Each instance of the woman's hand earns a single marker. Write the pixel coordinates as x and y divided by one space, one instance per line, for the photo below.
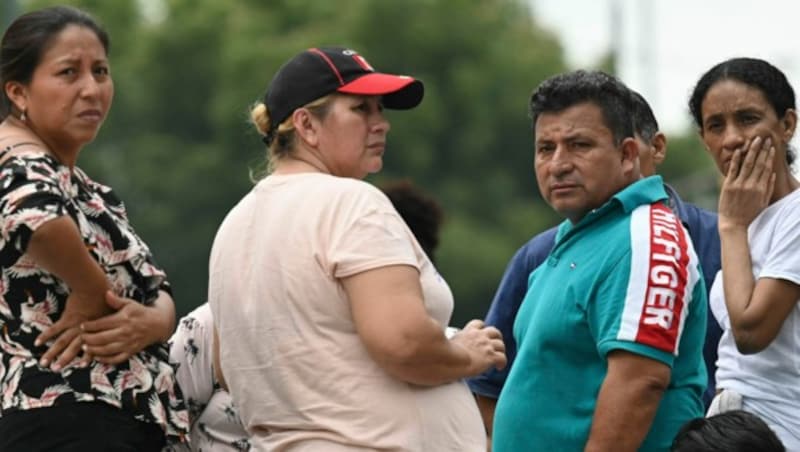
391 319
748 186
484 345
67 334
57 247
118 336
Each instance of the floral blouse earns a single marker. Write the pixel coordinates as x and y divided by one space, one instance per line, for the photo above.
215 423
36 188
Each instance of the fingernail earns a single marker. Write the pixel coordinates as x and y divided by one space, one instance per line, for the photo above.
43 362
84 347
37 343
56 367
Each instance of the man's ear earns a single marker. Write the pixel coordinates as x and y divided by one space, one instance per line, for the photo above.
630 156
306 126
659 145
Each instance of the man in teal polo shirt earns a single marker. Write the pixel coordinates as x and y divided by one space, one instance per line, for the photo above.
610 334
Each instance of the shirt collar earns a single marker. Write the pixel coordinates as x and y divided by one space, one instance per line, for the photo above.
644 191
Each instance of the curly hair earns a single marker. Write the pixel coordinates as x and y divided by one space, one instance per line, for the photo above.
421 212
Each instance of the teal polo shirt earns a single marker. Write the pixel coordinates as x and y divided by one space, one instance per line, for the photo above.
625 277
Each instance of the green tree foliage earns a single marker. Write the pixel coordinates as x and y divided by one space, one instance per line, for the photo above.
178 147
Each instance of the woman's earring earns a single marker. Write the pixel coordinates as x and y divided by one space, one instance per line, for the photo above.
22 116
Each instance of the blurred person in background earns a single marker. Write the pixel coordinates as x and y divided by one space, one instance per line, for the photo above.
76 277
331 316
422 213
214 423
746 114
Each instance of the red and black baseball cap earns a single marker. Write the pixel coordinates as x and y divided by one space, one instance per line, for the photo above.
318 72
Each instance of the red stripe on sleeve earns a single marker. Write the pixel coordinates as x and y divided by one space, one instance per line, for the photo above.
668 275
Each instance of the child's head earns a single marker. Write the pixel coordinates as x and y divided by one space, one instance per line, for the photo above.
731 431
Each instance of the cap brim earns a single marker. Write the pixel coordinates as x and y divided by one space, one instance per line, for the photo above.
399 92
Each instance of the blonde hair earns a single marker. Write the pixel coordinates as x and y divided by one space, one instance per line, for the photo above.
283 142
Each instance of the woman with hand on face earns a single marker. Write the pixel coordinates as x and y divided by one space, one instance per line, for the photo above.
745 109
331 318
75 276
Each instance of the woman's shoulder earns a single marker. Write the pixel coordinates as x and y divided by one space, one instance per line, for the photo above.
19 156
793 198
26 155
17 143
328 187
364 194
24 173
343 184
781 217
95 186
786 208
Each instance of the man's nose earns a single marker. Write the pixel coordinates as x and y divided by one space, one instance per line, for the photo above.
562 161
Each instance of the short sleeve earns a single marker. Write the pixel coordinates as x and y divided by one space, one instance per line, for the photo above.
606 317
643 302
110 232
783 259
30 196
377 236
191 350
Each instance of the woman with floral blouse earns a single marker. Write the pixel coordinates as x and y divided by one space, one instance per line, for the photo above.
84 310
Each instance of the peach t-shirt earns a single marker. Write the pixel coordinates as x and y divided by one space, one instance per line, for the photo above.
297 369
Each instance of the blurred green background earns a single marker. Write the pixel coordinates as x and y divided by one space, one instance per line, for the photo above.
177 146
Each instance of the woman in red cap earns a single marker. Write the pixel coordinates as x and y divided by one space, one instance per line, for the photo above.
330 316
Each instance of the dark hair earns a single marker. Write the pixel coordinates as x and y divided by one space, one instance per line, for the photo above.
422 213
644 121
29 36
562 91
752 72
731 431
